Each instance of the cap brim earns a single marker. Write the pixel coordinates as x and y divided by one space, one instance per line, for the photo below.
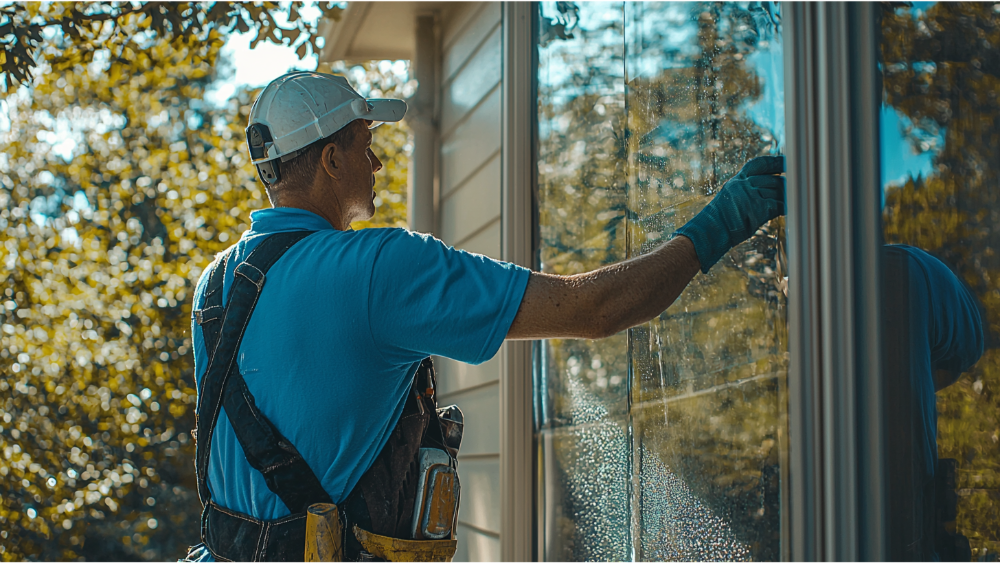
384 110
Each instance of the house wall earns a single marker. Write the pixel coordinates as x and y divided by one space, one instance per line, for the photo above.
469 212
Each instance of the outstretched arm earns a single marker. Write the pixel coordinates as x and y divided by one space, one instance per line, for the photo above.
605 301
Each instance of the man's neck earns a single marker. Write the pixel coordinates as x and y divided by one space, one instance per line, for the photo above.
332 216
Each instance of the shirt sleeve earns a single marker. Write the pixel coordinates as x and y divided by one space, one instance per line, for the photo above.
956 330
427 298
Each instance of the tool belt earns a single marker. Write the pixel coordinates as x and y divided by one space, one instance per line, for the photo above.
404 508
325 541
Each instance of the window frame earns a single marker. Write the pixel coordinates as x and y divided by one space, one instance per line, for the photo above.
836 471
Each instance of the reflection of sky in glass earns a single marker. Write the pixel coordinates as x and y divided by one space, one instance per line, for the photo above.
689 491
669 42
593 16
900 159
670 36
769 110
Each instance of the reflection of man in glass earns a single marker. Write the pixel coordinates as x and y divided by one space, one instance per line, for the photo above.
933 332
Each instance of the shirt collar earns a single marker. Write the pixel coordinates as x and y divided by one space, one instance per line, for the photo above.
279 219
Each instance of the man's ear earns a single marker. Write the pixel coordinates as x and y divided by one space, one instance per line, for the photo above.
330 160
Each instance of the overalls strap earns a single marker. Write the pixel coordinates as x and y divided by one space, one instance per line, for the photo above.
285 471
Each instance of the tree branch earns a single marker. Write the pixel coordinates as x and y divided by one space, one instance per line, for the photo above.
103 17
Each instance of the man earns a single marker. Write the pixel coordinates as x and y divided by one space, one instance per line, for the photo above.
329 354
933 332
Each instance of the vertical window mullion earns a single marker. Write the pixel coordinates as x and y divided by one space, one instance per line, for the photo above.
835 431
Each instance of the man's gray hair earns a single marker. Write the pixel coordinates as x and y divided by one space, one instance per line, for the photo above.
298 174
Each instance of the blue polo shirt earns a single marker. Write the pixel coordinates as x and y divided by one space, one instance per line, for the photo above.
341 326
945 333
932 324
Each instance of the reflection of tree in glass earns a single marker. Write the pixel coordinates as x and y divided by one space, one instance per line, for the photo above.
942 71
100 254
708 374
581 190
706 397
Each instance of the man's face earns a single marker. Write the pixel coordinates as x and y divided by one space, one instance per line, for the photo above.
360 164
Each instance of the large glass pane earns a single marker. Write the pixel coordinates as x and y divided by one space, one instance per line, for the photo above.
704 95
941 191
665 443
583 385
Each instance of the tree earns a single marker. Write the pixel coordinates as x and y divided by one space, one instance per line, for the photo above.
90 26
105 239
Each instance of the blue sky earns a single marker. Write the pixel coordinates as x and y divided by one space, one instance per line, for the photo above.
899 159
257 67
261 65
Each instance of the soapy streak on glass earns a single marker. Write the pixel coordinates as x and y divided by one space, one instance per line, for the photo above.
665 442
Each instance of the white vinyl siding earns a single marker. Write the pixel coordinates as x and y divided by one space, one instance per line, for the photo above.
477 77
464 31
482 418
470 144
469 218
454 377
467 210
485 241
475 544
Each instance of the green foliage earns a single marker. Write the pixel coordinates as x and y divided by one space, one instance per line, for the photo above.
89 28
941 71
100 254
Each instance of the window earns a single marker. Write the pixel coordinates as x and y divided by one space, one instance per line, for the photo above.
665 442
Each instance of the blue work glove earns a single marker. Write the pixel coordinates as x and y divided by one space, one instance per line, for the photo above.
747 201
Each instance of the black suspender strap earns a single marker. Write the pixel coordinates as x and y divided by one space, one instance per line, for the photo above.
210 315
285 471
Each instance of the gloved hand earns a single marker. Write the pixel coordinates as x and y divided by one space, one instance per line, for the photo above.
747 201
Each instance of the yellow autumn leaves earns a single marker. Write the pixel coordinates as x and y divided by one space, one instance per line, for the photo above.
118 184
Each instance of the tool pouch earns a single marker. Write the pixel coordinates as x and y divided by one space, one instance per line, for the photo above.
411 492
438 490
949 545
452 425
384 548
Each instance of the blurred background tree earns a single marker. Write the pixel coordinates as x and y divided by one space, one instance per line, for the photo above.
92 27
118 184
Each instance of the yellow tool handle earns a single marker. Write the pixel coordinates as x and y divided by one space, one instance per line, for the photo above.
324 533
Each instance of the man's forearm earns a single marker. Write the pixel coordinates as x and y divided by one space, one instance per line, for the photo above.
605 301
639 289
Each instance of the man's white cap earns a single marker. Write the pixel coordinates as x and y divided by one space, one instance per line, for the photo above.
300 108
